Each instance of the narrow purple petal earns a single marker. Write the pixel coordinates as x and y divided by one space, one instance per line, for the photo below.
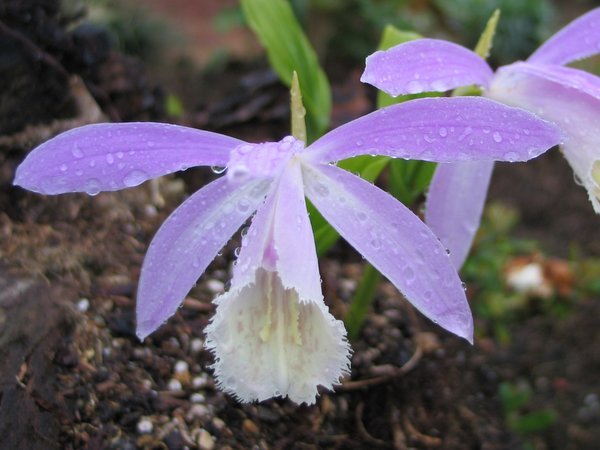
280 239
112 156
395 241
579 39
293 238
187 242
425 65
574 105
455 203
441 130
566 77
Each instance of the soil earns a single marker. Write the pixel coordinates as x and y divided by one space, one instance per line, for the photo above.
74 376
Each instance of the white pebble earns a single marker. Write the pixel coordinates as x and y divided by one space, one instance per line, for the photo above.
200 382
83 305
196 345
215 286
198 411
174 385
205 440
181 367
144 426
197 398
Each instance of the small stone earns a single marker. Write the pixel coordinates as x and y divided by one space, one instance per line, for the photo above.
218 423
181 367
250 427
145 426
200 381
205 440
215 286
198 411
83 305
197 398
196 345
174 385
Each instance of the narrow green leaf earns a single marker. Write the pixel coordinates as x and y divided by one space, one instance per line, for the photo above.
288 49
484 45
297 111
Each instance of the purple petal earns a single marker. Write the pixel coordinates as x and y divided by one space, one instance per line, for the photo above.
566 77
580 39
293 238
287 246
187 242
425 65
574 105
108 157
455 203
441 130
395 241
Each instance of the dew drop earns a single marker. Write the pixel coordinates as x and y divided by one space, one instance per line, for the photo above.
120 155
243 205
92 186
414 87
76 151
497 137
443 132
134 178
321 190
359 143
218 169
409 274
511 156
110 158
63 167
361 216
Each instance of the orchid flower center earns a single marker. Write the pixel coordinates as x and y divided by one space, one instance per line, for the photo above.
261 160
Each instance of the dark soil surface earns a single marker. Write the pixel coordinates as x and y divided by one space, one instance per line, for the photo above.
74 376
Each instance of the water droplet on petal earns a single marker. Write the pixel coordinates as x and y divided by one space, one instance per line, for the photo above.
218 169
63 167
110 158
243 205
443 132
409 274
76 151
92 186
511 156
134 178
321 190
497 137
361 216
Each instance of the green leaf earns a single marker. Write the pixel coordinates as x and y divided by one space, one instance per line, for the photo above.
297 110
288 49
484 45
533 422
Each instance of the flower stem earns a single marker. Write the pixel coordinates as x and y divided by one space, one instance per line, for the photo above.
361 302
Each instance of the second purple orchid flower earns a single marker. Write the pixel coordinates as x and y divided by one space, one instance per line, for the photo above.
568 97
272 334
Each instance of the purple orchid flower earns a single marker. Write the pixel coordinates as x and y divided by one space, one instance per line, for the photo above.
568 97
272 334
